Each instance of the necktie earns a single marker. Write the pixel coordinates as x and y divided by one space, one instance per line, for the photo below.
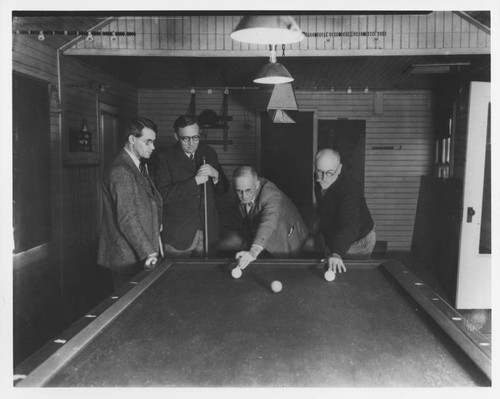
143 169
248 208
191 157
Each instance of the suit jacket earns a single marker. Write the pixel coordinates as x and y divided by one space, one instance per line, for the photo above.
344 217
183 206
131 220
274 222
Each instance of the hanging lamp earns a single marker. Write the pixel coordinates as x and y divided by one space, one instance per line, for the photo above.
273 72
267 29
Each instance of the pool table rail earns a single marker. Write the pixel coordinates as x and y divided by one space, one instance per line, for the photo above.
475 344
46 362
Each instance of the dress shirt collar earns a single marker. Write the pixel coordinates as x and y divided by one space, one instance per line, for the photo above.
247 206
136 160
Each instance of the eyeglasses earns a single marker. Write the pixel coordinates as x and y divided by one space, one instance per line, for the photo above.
187 139
148 142
329 173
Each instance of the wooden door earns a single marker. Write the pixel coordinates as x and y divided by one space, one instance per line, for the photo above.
109 140
287 156
474 265
109 132
31 163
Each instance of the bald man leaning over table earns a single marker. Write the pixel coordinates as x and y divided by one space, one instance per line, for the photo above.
345 222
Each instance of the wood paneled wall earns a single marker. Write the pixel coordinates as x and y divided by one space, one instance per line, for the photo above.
81 93
57 273
325 35
399 142
32 58
79 98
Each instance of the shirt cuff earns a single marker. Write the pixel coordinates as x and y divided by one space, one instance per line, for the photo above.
256 249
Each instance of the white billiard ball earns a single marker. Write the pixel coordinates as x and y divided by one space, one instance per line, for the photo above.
276 286
236 272
330 275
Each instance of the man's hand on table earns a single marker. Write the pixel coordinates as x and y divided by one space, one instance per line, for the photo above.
247 257
336 264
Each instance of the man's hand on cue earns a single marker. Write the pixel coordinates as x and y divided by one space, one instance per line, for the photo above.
336 264
209 170
201 176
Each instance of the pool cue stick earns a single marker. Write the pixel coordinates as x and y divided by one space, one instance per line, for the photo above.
325 252
161 247
205 235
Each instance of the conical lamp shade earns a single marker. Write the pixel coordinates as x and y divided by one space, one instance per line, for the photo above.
267 29
273 73
282 98
280 116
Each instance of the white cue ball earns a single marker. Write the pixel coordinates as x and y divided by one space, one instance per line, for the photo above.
236 272
276 286
329 275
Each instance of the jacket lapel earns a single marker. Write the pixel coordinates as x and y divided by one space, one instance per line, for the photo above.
183 161
257 201
143 181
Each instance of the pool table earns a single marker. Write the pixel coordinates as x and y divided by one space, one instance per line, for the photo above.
189 323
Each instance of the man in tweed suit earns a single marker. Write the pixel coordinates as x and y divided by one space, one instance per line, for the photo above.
129 238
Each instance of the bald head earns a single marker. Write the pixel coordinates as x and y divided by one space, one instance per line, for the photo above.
328 155
328 167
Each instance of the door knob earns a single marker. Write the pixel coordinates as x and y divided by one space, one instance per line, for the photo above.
470 212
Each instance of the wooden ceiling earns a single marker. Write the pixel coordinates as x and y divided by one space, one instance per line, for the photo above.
322 73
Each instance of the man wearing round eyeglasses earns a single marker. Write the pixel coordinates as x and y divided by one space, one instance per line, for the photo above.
271 221
345 222
183 170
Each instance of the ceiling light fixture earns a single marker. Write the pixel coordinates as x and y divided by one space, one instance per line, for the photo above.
283 98
273 72
267 29
280 116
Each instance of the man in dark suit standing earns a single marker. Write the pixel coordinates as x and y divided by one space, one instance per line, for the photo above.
129 237
183 171
272 222
345 221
